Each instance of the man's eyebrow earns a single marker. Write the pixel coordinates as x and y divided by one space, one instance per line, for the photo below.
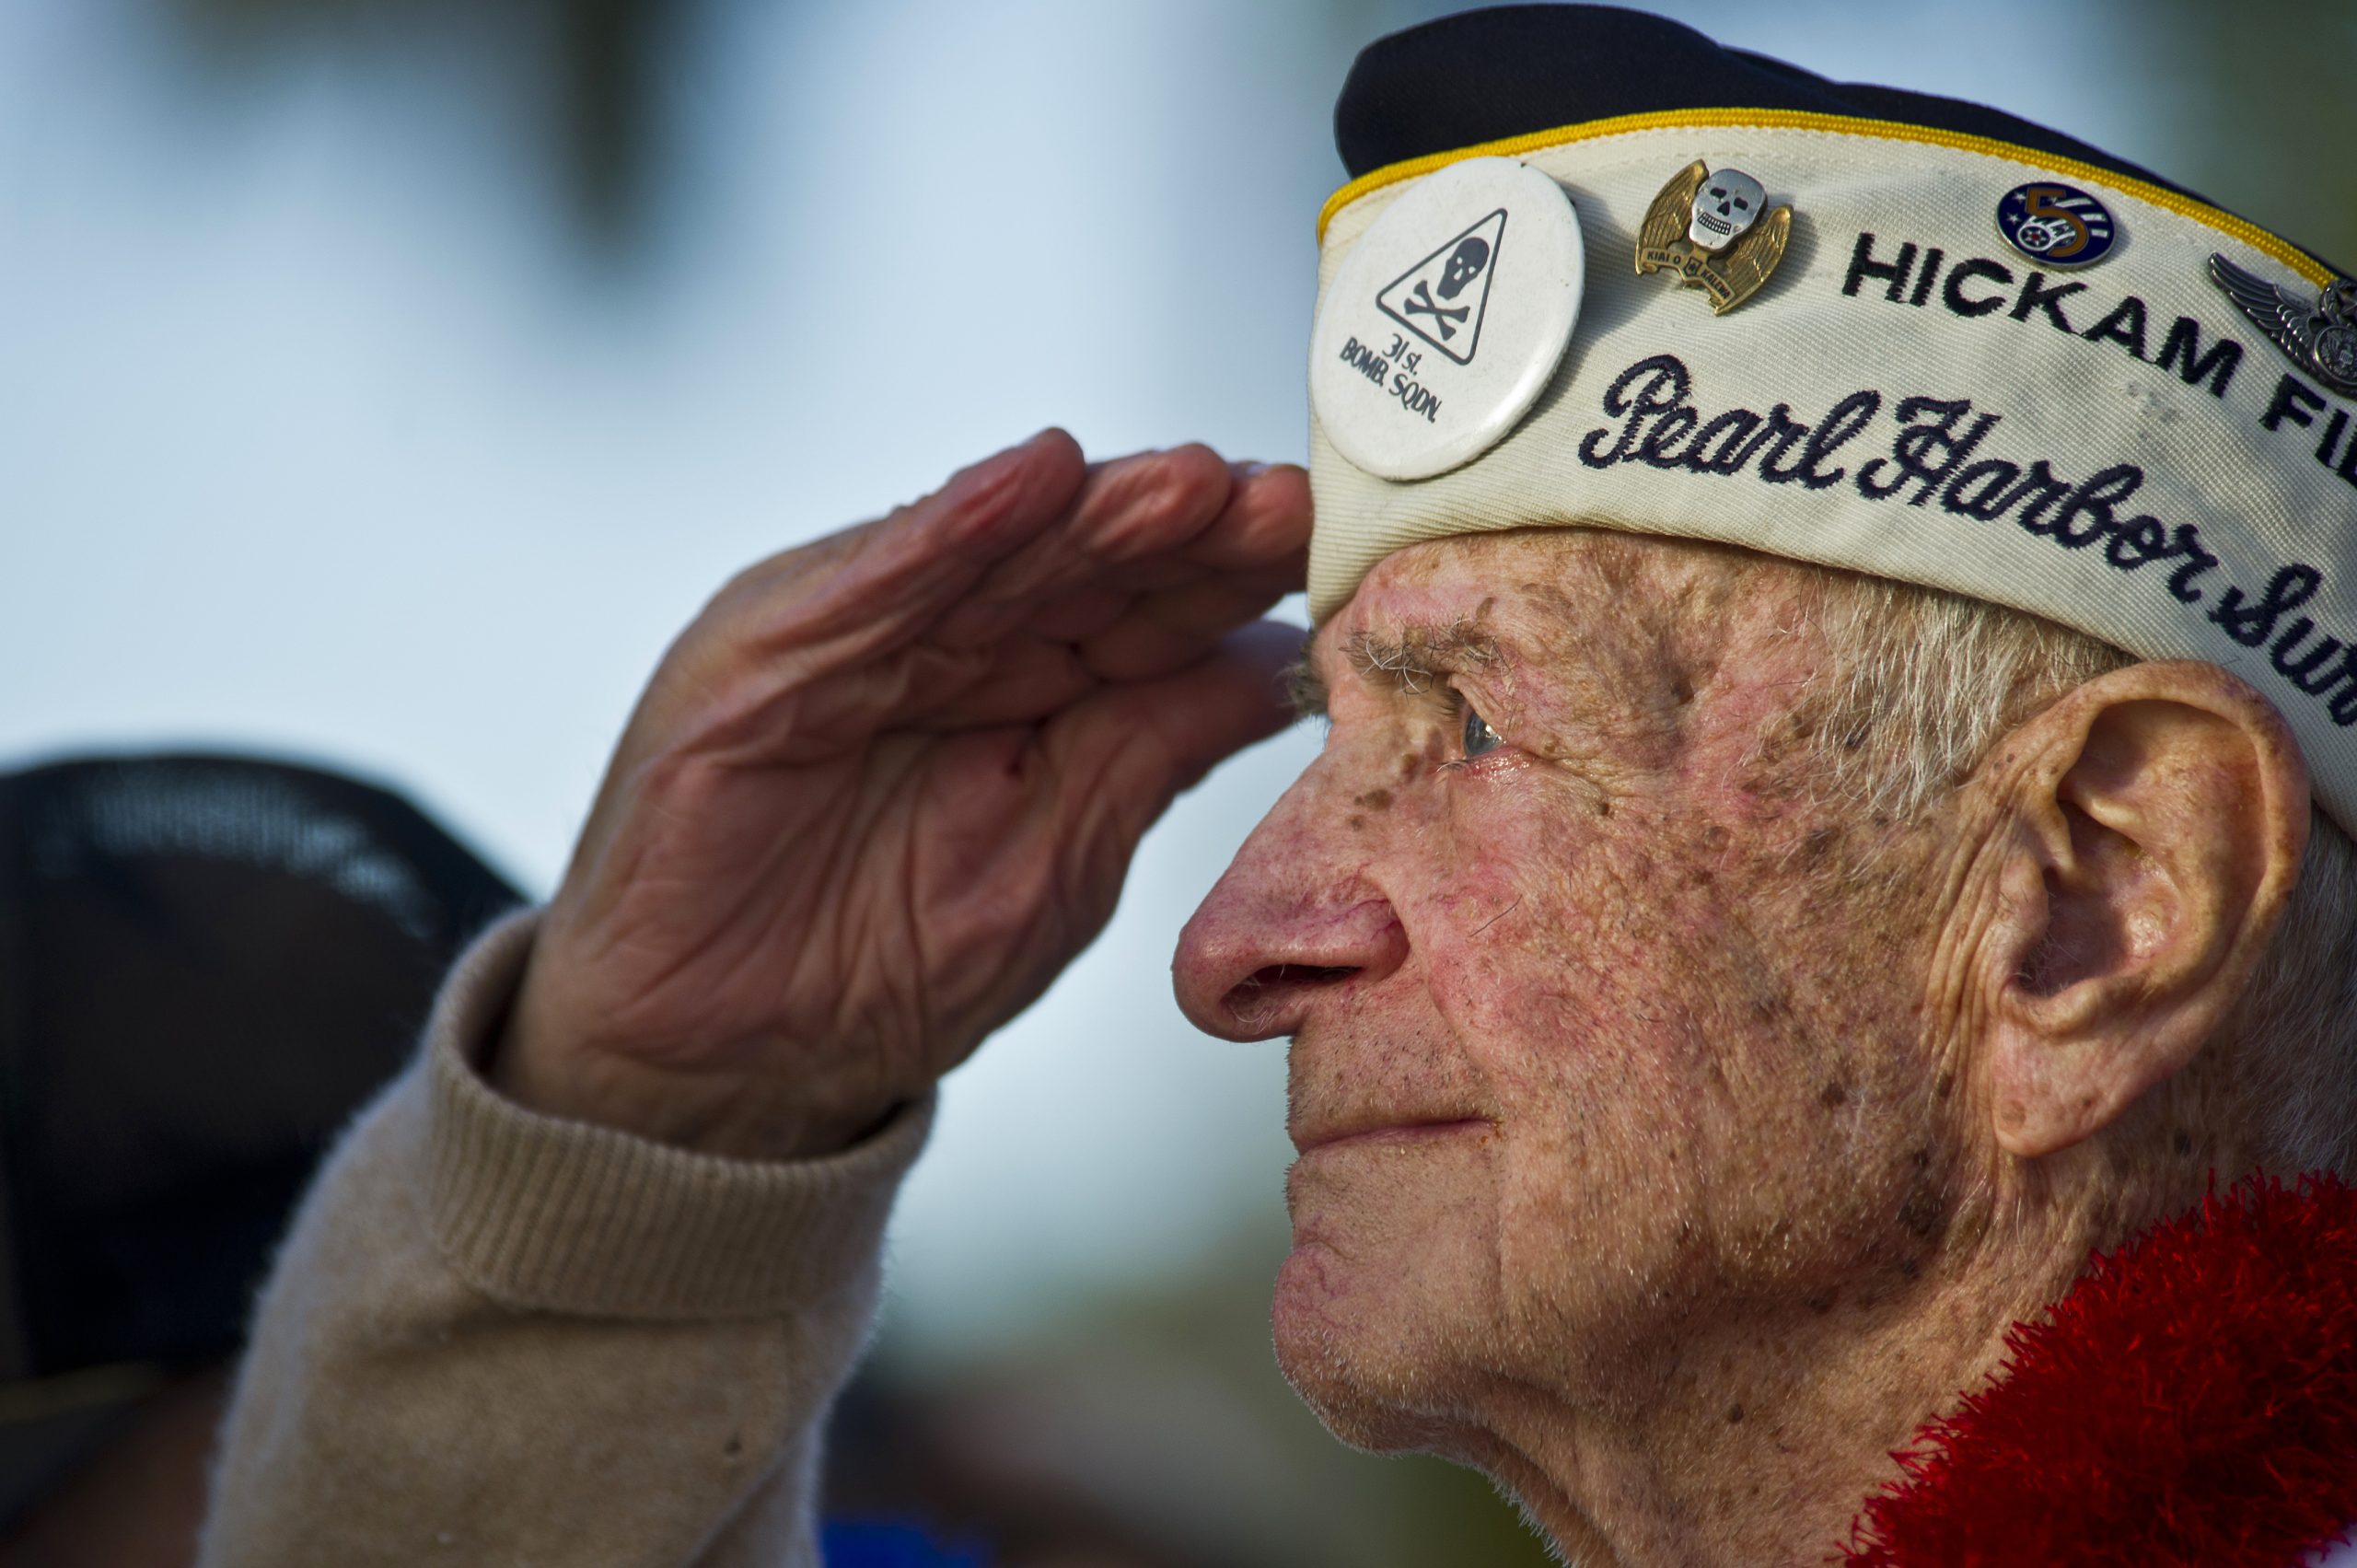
1304 688
1410 661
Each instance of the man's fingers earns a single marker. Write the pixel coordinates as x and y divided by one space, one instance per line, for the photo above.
1029 541
1165 630
1026 582
1133 517
1024 682
1121 755
1023 679
1265 523
1146 616
1079 615
1134 508
1267 520
1029 677
876 586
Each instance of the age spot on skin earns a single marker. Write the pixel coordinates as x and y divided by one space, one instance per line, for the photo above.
1374 800
1923 1216
1833 1096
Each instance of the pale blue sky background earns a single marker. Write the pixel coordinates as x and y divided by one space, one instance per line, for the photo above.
320 433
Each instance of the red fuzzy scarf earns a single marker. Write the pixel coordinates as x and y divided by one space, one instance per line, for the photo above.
2193 1400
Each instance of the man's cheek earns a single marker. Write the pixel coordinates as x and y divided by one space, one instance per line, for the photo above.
1506 860
1563 937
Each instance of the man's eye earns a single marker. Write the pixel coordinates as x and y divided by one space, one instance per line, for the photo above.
1479 736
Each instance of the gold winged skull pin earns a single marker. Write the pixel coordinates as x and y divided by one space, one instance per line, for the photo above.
1717 232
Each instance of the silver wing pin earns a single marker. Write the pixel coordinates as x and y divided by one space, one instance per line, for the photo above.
2319 336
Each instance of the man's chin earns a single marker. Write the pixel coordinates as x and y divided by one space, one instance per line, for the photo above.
1382 1309
1353 1360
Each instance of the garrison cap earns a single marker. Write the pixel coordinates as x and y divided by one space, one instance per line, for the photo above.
1593 268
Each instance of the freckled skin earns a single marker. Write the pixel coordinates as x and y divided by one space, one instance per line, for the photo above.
1697 1229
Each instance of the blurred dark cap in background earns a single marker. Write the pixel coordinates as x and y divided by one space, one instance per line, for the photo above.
206 964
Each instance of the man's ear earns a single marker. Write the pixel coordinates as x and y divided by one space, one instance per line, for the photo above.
2149 829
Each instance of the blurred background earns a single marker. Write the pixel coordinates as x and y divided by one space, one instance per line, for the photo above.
384 382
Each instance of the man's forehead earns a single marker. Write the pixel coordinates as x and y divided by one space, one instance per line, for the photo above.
1519 584
1432 600
1609 614
1449 605
1441 582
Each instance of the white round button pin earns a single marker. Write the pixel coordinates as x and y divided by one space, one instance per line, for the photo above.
1447 318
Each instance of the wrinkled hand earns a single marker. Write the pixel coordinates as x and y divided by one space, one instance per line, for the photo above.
886 785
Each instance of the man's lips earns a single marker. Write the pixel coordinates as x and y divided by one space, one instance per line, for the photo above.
1388 1129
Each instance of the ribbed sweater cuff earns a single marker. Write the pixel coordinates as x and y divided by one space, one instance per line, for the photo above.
569 1218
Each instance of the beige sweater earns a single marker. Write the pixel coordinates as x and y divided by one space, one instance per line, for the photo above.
498 1337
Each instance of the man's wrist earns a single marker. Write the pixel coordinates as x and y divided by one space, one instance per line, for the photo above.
724 1115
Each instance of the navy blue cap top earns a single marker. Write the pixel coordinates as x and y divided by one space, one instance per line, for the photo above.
1483 76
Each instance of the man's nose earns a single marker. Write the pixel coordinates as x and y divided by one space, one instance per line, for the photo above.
1290 922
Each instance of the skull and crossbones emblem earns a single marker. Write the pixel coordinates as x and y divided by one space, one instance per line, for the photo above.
1725 207
1464 264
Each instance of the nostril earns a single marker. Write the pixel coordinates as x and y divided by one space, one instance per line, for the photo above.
1298 974
1275 988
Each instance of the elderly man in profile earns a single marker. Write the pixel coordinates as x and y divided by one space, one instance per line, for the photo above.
1834 619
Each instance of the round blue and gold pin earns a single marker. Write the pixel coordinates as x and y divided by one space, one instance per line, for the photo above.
2057 224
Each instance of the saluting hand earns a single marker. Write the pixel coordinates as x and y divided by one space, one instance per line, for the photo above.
886 785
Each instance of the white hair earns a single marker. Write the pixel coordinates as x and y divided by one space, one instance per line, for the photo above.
1927 682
